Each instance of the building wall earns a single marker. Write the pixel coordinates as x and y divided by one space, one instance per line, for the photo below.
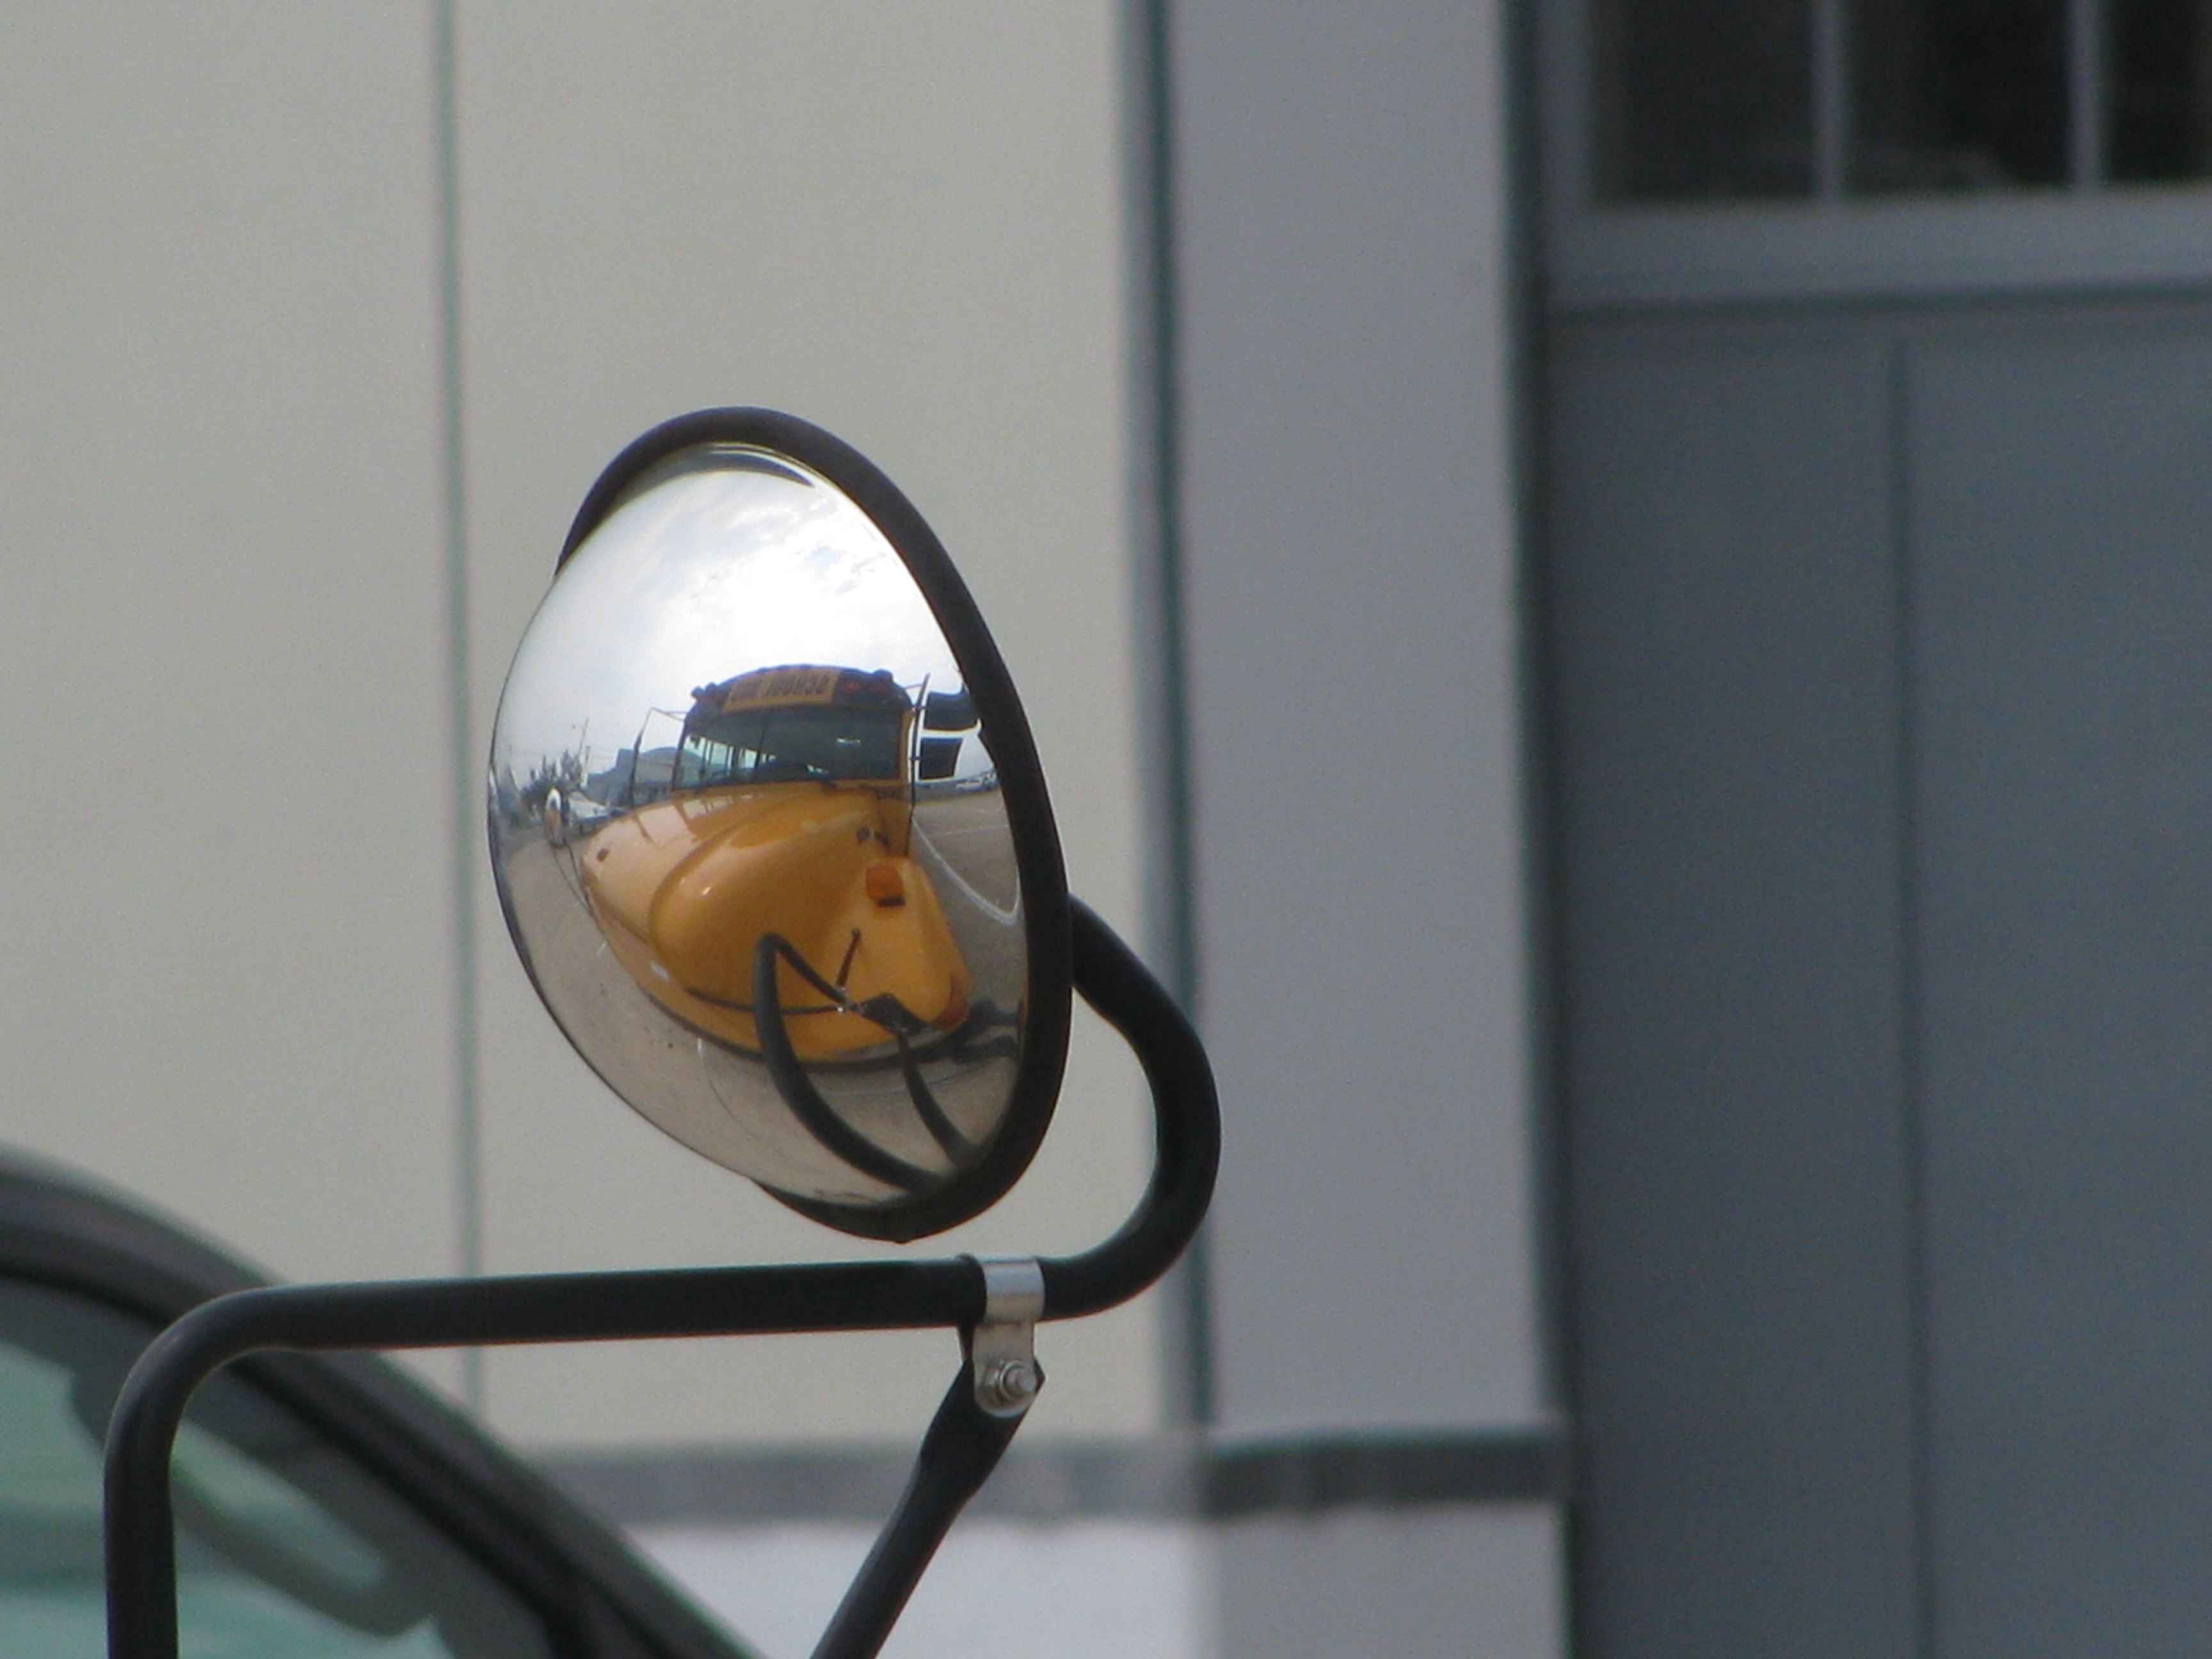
318 321
228 623
230 984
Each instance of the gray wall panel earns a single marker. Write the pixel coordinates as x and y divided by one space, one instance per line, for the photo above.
1348 543
1725 694
2062 480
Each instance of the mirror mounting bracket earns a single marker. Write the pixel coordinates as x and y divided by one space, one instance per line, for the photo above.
978 1298
1002 1348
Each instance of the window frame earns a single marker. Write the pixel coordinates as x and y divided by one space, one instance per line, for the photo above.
1602 255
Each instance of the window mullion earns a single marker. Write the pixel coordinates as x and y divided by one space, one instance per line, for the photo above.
1831 98
2085 92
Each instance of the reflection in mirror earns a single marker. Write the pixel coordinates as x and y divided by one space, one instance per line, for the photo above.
750 837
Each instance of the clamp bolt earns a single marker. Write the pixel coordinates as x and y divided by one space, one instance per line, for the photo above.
1011 1383
1002 1347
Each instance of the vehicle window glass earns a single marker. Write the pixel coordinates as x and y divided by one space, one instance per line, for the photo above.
824 743
286 1548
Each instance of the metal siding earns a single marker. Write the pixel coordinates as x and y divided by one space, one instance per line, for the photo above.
1887 1179
1725 699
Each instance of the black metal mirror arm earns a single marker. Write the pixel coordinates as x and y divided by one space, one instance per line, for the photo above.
963 1442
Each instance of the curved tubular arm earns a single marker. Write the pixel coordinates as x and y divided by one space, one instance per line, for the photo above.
1187 1128
141 1553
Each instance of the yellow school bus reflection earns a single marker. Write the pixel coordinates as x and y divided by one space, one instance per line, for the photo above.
788 814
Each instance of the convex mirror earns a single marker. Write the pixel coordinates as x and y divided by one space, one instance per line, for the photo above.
770 833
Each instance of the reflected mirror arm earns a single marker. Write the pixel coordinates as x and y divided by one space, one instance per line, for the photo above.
798 1090
942 1129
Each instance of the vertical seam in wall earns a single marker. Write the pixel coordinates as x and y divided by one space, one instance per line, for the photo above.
1171 883
1530 339
468 1141
2085 102
1911 1035
1528 429
1176 923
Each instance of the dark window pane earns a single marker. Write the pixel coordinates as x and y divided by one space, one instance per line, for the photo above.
1703 100
286 1548
1959 95
2158 88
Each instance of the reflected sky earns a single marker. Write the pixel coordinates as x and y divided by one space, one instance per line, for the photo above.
709 574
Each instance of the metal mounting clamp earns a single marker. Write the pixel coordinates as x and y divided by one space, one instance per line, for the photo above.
1003 1349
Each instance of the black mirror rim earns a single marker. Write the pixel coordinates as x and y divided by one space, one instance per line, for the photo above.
1037 859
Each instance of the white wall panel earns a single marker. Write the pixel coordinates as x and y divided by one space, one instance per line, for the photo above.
228 981
1430 1583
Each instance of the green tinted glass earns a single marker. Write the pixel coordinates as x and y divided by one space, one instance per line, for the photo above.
285 1547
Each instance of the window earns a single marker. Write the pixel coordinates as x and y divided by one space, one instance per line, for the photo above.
1713 100
795 743
285 1547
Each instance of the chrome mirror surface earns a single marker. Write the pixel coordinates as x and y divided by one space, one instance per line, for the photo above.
752 837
